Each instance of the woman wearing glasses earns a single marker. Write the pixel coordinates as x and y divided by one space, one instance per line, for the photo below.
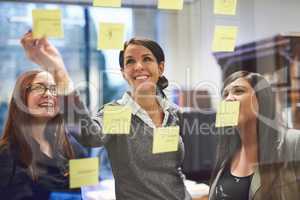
35 147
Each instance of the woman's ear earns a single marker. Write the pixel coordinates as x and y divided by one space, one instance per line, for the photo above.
161 67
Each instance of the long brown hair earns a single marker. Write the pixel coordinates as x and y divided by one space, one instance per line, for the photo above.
267 132
18 126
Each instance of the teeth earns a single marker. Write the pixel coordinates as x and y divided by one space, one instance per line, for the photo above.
46 104
141 77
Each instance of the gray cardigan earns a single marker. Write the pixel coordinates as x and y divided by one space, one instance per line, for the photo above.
287 183
138 173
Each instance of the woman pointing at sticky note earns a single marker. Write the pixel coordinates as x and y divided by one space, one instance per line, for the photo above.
139 130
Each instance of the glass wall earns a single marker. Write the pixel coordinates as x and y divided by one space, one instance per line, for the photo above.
96 73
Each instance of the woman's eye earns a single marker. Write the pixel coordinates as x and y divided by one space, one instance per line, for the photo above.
238 91
129 61
38 88
147 59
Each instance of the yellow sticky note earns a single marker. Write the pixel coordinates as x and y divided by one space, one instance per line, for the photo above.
84 172
228 113
165 139
170 4
47 23
111 36
107 3
116 120
224 38
225 7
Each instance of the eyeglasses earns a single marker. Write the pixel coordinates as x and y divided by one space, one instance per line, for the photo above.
41 89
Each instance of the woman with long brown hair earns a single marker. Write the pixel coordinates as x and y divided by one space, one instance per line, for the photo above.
35 146
261 160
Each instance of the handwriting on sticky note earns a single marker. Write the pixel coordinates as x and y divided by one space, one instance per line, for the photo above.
111 36
224 38
225 7
228 113
116 120
107 3
84 172
170 4
165 139
47 23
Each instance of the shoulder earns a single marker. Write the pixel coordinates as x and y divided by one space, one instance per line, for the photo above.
292 143
100 110
292 137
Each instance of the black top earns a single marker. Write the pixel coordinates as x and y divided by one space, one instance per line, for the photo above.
17 184
231 187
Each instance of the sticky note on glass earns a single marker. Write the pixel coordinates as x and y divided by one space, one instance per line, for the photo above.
47 23
107 3
111 36
224 38
116 119
170 4
228 113
225 7
165 139
84 172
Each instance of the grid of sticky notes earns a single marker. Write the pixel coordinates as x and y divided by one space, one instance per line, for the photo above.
111 36
84 172
107 3
228 113
116 119
170 4
225 7
224 38
47 23
165 139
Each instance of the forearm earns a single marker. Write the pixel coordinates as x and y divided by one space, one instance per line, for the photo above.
86 130
64 82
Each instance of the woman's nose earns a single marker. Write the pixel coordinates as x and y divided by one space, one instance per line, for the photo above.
47 93
138 66
230 97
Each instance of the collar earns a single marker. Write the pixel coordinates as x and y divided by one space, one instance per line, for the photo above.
127 100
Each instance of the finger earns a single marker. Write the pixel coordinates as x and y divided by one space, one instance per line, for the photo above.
26 38
28 42
43 42
29 32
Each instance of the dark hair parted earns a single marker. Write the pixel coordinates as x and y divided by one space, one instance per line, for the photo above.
155 49
267 130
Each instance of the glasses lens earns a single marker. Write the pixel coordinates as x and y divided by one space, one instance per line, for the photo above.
41 89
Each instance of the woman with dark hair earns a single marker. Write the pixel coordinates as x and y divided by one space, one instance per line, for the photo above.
35 148
261 160
138 173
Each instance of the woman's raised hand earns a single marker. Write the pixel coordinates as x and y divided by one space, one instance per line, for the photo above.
43 53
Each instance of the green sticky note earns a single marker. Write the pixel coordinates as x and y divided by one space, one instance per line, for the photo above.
224 38
47 23
165 139
84 172
111 36
225 7
107 3
170 4
116 120
228 113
